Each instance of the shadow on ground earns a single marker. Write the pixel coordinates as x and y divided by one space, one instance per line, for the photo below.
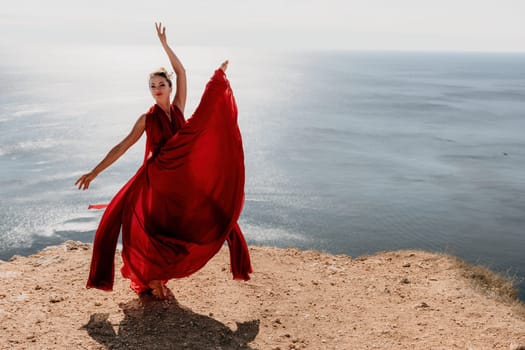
152 324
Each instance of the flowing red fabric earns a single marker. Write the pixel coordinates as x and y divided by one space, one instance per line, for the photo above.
183 203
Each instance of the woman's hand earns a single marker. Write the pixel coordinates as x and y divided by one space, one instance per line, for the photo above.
84 181
161 33
224 66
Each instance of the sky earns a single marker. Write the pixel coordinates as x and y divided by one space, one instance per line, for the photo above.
415 25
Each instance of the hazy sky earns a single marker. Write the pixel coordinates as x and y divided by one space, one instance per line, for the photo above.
465 25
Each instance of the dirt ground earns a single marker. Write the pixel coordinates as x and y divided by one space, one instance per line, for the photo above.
295 300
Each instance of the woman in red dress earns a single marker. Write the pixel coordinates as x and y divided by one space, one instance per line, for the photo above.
183 203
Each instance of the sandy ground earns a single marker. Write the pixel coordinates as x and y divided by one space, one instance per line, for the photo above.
295 300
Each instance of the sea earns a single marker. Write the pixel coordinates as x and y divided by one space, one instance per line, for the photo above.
347 152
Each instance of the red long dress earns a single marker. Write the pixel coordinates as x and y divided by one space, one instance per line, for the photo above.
183 203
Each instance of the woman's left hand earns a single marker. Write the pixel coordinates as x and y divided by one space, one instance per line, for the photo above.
161 33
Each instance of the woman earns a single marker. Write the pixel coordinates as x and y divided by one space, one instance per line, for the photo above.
184 201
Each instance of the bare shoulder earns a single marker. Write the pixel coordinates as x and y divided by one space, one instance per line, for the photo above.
142 119
140 124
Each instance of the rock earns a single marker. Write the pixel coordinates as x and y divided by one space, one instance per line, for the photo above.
55 299
423 305
334 269
293 312
74 245
19 297
9 274
406 265
44 261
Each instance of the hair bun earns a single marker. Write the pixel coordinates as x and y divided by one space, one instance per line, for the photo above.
162 72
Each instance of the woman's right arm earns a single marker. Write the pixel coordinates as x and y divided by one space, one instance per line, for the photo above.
114 154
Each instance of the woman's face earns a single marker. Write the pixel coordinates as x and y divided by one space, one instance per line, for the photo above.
159 88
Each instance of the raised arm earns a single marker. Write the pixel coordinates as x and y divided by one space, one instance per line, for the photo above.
114 154
180 93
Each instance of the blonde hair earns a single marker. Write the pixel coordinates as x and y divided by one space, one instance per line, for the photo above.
161 72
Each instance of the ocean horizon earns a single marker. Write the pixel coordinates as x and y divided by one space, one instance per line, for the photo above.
347 152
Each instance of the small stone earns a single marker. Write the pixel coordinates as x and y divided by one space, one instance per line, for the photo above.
98 303
9 274
423 305
405 281
55 299
74 245
406 265
37 287
44 261
20 297
70 245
